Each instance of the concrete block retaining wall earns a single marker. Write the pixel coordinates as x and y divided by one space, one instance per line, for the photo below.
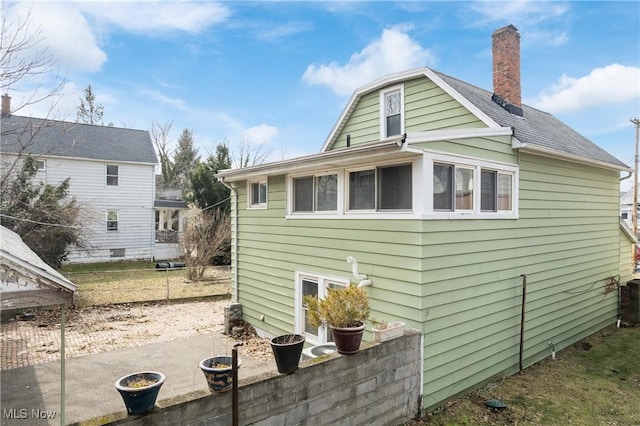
380 385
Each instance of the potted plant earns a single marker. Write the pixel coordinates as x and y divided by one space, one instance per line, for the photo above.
218 372
139 391
344 311
383 331
287 350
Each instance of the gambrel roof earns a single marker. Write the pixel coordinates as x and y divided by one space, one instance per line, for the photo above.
536 131
75 140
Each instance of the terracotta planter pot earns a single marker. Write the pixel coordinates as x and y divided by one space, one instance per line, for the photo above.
218 372
140 399
348 339
287 350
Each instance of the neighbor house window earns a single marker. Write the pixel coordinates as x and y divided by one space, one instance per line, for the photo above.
313 285
381 188
41 165
112 220
112 175
119 252
258 194
315 193
456 188
392 112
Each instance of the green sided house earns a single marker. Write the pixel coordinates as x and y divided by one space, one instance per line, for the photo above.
450 198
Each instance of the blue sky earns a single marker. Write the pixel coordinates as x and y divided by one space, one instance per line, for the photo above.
278 74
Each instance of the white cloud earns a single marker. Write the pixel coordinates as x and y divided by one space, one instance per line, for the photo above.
260 135
394 51
155 95
62 30
612 84
157 17
522 12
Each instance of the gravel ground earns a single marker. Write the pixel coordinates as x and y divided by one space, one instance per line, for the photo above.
35 338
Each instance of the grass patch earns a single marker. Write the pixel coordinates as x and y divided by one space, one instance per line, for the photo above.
123 282
594 382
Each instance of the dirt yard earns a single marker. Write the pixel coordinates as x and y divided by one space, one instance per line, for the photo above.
34 338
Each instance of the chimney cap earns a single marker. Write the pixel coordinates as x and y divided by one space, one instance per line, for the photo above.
509 27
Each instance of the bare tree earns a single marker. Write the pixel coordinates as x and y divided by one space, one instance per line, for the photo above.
160 138
24 57
245 154
206 235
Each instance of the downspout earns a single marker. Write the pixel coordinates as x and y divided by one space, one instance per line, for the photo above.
234 253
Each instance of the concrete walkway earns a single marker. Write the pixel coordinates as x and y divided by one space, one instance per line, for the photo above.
30 394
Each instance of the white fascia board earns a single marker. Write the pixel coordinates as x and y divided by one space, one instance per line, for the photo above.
397 78
449 134
552 153
458 97
363 90
626 229
331 159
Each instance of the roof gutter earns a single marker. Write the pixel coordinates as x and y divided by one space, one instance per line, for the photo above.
301 163
234 247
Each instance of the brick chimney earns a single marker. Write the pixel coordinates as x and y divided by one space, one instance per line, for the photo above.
6 105
506 69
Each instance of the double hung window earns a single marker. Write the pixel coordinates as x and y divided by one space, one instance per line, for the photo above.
392 112
457 189
258 194
112 175
112 220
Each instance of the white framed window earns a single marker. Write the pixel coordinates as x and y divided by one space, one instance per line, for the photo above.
383 188
112 174
310 284
465 187
258 194
315 193
392 112
112 220
42 165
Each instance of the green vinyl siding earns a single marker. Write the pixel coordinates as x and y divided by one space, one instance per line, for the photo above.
458 281
566 242
427 107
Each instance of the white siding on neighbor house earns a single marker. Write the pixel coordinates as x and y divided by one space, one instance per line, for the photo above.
132 198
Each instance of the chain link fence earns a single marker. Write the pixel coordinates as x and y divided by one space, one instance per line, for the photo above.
147 285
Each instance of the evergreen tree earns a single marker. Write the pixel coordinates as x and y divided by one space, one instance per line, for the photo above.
41 214
203 189
185 159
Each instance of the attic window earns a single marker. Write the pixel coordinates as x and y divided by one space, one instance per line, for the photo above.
392 112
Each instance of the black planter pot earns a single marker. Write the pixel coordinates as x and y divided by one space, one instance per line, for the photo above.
218 372
140 399
287 350
347 339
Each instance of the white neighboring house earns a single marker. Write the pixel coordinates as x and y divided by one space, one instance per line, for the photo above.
112 175
626 206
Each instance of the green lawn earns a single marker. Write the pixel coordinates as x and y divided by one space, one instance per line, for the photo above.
123 282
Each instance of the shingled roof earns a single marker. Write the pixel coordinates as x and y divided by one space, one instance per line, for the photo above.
75 140
535 127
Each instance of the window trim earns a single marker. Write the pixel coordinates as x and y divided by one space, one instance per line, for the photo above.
478 165
107 175
323 281
326 213
259 205
117 220
44 165
383 116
